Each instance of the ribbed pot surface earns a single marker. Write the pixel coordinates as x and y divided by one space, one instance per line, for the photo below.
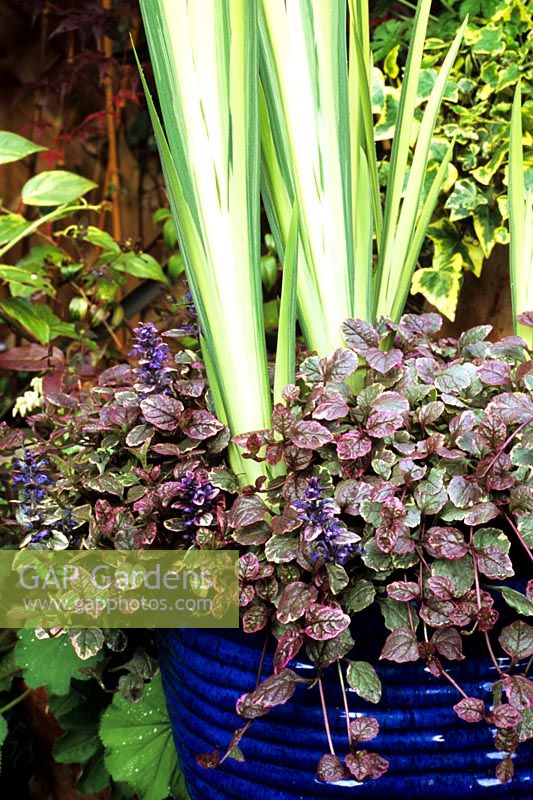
431 752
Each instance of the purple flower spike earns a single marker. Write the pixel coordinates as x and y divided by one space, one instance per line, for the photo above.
196 501
153 358
321 524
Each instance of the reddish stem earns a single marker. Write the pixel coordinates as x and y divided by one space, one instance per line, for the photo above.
325 714
479 606
345 701
518 535
507 441
453 683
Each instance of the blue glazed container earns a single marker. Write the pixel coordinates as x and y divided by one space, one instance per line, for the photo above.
431 752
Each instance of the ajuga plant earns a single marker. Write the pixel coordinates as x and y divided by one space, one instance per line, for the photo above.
413 494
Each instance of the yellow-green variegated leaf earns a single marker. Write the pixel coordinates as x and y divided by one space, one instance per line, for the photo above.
441 285
520 226
303 68
204 56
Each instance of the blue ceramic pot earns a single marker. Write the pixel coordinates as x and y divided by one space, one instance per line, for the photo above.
431 752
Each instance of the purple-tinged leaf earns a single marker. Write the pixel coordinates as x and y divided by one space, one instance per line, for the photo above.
449 643
364 680
310 435
379 425
462 424
255 618
504 715
512 407
455 379
296 598
442 587
324 653
401 646
282 549
430 413
286 522
526 319
364 765
287 648
494 563
248 567
201 425
446 543
331 406
325 622
471 709
339 366
247 510
517 640
519 691
392 403
426 369
364 729
421 325
383 361
494 373
404 591
32 358
247 594
436 613
481 513
464 491
359 335
273 691
353 444
330 769
505 770
162 411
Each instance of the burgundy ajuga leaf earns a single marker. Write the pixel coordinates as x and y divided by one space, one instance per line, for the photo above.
494 563
201 425
464 491
248 567
31 358
517 640
310 435
364 765
400 646
505 715
470 709
162 411
526 319
296 598
255 618
519 691
330 769
331 406
449 643
512 407
420 325
273 691
246 510
404 591
363 729
353 444
359 335
505 770
325 622
481 513
339 366
287 648
446 543
392 403
529 591
442 587
494 373
383 361
380 425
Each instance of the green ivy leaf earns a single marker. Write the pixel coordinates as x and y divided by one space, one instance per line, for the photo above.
55 188
51 663
139 746
464 199
27 316
14 147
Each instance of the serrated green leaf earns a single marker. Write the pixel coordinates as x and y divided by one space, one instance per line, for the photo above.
55 188
139 746
51 663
